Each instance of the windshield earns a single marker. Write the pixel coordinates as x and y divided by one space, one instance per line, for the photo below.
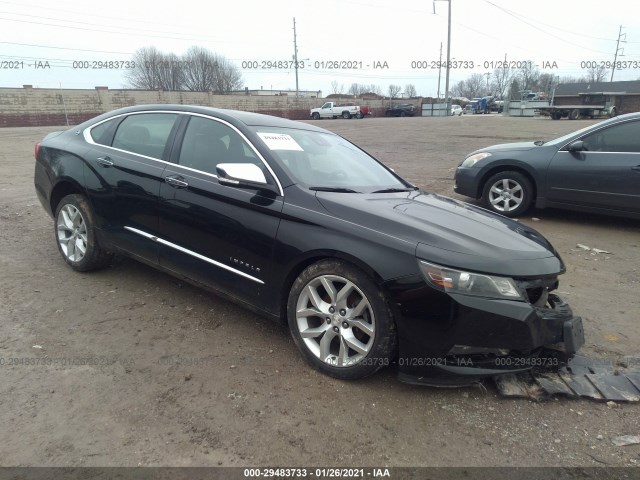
324 161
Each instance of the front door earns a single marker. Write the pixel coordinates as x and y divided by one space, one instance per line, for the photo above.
216 234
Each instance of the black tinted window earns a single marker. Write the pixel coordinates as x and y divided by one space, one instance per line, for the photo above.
145 134
208 142
619 138
103 133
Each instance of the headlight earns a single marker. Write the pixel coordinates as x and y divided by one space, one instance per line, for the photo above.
467 283
473 159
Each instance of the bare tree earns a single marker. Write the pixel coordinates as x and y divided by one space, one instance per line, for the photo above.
547 82
168 72
410 90
501 79
394 90
227 76
354 89
528 75
373 88
145 74
199 67
597 74
473 86
572 79
335 88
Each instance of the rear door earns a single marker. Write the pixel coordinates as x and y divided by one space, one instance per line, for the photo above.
605 175
123 177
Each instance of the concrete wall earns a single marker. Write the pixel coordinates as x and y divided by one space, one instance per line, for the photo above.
41 106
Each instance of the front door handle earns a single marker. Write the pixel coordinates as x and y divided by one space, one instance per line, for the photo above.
637 167
105 161
176 181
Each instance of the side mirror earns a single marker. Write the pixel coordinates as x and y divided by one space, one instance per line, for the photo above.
241 174
577 146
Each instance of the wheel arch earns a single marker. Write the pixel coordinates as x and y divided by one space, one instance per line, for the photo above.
61 189
506 168
314 257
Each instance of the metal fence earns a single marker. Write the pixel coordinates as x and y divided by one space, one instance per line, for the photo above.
435 109
526 108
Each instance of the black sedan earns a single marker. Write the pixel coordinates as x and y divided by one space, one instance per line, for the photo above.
400 110
596 169
304 227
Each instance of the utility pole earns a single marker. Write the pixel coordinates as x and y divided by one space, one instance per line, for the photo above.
446 83
615 57
295 53
439 71
488 74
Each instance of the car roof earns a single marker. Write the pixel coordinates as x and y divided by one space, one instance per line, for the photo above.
232 116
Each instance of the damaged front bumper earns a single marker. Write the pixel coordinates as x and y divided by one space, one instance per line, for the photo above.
475 337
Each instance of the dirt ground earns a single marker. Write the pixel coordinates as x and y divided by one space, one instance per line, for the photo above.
128 366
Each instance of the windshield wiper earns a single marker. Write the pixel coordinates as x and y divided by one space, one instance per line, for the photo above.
333 189
392 190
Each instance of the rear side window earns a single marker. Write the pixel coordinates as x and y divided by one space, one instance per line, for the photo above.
145 134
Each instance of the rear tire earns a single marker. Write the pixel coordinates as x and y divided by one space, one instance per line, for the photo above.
574 114
75 227
340 320
346 115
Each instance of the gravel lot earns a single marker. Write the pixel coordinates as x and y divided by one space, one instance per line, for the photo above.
128 366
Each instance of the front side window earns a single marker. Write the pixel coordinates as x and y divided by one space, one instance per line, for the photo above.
209 142
619 138
145 134
327 161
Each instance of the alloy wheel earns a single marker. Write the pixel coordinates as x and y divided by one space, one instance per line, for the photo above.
335 320
72 233
506 195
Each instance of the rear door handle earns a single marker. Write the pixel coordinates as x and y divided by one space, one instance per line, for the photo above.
105 161
176 181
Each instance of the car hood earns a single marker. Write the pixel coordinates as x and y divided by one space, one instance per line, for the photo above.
509 146
450 232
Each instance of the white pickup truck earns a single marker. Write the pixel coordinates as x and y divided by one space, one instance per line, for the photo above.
335 110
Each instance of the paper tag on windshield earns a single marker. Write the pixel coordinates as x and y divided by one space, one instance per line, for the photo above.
279 141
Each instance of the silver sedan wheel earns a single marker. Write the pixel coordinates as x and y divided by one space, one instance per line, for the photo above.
335 320
506 195
72 233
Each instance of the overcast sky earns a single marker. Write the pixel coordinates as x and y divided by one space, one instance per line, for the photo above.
369 33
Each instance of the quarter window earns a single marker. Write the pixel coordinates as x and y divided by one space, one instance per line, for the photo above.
208 142
103 133
619 138
145 134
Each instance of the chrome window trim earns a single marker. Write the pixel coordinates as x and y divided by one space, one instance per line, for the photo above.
193 254
89 139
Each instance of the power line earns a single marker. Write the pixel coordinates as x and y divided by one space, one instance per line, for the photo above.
519 18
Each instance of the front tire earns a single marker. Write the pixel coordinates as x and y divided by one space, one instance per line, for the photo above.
508 193
340 320
316 116
76 236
